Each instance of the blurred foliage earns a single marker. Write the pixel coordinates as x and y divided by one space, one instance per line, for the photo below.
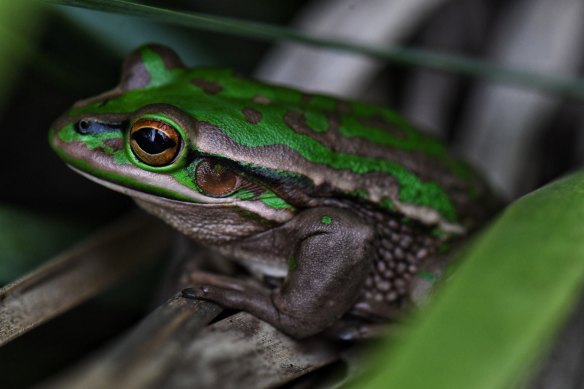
405 56
511 294
18 26
28 238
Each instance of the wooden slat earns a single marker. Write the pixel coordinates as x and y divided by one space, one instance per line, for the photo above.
170 349
144 357
80 273
245 352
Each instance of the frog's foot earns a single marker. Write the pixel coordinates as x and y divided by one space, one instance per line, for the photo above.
235 294
330 262
262 304
238 294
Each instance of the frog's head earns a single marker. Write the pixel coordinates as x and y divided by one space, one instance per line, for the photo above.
144 138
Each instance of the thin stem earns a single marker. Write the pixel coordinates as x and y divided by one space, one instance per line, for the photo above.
564 86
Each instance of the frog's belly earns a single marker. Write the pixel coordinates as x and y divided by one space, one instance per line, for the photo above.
260 269
263 254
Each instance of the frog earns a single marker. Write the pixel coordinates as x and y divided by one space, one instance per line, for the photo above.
345 204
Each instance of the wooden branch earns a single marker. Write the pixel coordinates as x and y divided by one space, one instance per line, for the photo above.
80 273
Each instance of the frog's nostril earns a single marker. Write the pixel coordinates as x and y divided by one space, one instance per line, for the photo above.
83 127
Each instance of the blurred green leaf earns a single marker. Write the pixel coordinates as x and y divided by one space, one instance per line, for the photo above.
503 306
573 87
27 239
18 25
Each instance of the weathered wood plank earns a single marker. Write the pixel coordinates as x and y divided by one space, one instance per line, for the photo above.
80 273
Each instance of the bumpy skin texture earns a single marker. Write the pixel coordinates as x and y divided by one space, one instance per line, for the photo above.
344 201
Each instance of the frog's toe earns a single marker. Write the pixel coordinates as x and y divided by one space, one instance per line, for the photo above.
202 278
195 293
259 303
216 294
246 298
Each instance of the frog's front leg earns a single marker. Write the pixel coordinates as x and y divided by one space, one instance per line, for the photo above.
331 258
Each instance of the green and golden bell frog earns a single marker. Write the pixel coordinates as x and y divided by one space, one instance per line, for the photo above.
344 202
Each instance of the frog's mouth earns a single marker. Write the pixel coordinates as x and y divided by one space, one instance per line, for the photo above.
138 194
254 206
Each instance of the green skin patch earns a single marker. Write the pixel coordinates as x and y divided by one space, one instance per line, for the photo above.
224 107
427 276
326 220
292 264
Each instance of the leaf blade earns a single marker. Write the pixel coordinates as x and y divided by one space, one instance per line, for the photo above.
507 300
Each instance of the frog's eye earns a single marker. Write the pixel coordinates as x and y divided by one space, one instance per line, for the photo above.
154 142
215 179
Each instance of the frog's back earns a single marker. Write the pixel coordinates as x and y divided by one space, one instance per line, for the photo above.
335 148
358 150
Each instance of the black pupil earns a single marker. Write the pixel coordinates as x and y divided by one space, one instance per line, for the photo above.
153 141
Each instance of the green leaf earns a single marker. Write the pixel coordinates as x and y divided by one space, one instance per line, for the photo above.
27 239
18 24
509 297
